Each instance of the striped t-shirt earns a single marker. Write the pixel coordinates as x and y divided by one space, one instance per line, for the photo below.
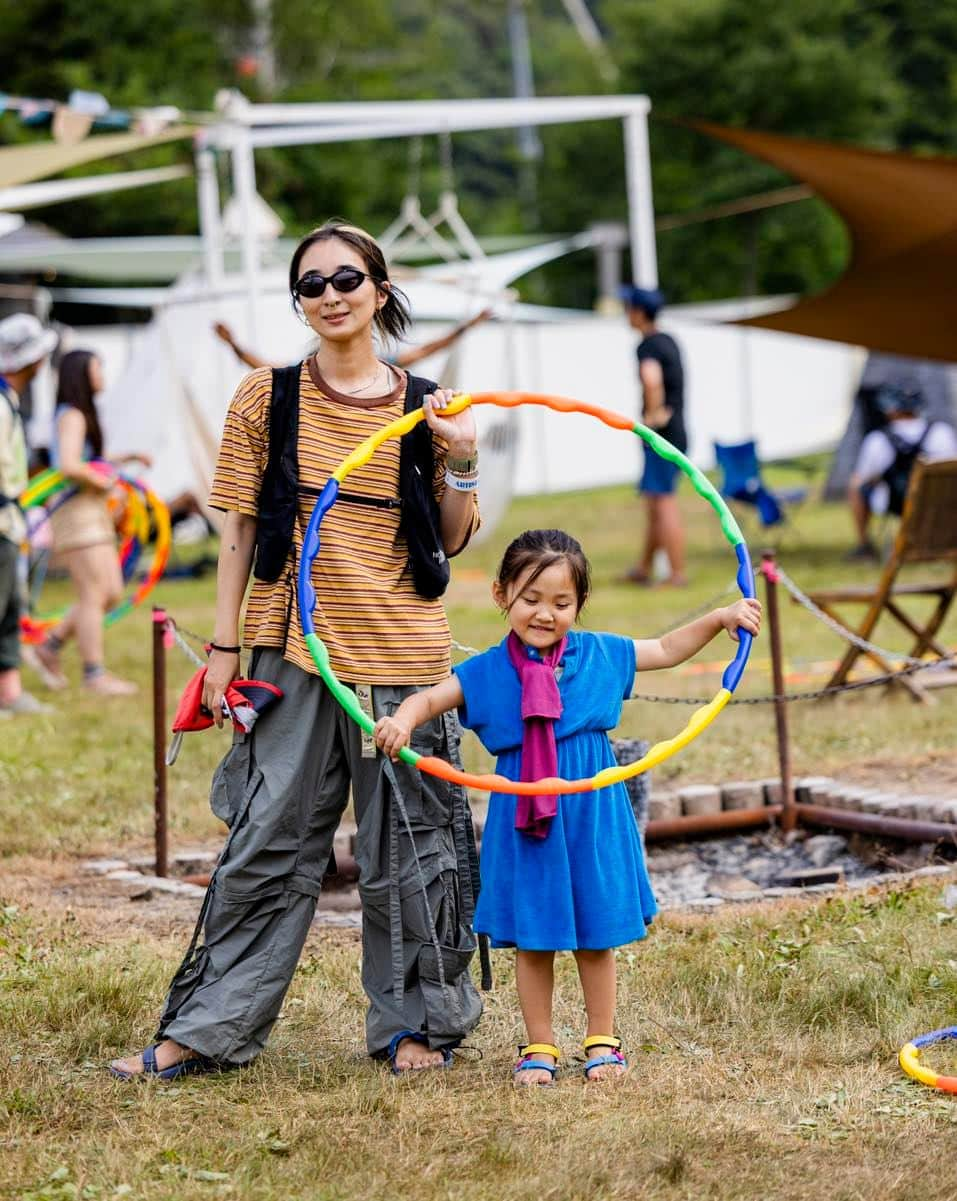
377 628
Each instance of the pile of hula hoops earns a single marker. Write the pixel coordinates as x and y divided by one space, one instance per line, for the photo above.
139 515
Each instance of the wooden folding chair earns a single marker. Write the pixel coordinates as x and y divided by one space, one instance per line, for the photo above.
927 534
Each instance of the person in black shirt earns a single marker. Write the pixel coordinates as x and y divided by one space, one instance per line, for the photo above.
662 387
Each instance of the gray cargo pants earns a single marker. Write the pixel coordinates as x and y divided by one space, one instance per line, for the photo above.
282 790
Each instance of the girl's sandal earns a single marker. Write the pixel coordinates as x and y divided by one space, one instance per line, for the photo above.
598 1061
527 1064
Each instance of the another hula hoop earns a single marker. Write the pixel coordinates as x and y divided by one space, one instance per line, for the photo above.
52 484
661 751
909 1059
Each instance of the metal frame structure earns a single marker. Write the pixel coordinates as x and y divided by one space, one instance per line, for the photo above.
247 127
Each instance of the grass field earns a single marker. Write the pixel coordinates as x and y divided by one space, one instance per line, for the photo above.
763 1040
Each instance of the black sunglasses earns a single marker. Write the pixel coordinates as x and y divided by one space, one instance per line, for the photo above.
343 279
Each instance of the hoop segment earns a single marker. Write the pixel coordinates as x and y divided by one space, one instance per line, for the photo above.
909 1059
492 782
52 484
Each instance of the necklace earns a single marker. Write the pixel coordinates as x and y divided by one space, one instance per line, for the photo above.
369 383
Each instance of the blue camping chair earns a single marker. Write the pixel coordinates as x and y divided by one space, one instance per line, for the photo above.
741 481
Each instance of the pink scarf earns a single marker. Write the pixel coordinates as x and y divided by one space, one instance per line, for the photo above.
541 706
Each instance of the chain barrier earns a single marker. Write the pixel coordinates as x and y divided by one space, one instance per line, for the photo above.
913 665
842 631
177 633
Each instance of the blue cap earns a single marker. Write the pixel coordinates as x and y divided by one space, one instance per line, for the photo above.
648 299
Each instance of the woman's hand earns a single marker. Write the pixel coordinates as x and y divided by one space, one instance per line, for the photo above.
101 479
393 733
745 614
222 669
458 430
139 456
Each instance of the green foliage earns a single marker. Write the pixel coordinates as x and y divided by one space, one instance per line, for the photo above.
869 72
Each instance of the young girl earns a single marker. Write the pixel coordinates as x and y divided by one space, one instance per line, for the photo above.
559 873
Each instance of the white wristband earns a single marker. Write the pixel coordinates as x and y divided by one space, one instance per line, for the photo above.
462 483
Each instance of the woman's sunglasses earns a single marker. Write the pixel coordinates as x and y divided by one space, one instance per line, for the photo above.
343 279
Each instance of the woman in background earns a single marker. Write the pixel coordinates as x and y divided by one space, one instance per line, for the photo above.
84 537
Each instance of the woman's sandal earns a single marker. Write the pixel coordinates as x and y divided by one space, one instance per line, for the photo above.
416 1038
527 1064
194 1066
598 1061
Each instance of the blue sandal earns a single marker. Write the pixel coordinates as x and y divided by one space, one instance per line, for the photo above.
416 1038
194 1066
527 1064
597 1061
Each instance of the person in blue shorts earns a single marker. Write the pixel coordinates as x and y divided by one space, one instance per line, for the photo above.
661 374
559 873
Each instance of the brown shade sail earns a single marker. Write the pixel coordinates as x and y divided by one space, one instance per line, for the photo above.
899 291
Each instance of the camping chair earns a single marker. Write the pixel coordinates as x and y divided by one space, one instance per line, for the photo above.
927 534
742 481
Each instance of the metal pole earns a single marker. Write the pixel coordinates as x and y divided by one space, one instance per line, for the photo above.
641 208
244 186
788 812
662 829
210 224
160 832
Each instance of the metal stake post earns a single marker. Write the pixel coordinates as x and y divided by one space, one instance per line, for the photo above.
788 811
160 832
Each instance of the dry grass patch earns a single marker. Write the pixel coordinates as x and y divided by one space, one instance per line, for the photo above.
763 1045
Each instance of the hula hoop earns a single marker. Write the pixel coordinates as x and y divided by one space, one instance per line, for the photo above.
661 751
909 1059
53 485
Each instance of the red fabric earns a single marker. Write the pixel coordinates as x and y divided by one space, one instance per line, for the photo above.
246 700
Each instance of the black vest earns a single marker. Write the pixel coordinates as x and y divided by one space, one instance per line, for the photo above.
419 521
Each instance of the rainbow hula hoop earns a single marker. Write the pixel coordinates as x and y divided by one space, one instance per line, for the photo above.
909 1059
52 485
661 751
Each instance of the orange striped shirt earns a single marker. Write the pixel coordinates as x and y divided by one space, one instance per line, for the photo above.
377 628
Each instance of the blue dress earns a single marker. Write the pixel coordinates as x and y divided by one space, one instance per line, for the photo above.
585 885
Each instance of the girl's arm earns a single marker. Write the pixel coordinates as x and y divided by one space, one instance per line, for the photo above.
71 434
393 733
236 546
681 644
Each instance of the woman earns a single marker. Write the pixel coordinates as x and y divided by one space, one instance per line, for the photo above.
84 538
283 788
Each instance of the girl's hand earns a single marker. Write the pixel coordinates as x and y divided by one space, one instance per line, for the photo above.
745 613
458 430
222 669
392 733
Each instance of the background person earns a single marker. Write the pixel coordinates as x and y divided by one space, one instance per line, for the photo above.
886 459
283 789
403 358
84 537
24 344
661 374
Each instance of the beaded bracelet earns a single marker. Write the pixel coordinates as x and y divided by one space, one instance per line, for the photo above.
462 466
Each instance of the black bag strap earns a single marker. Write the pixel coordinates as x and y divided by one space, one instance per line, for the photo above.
284 422
418 442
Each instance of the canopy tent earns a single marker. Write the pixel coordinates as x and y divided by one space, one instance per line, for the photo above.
897 294
38 160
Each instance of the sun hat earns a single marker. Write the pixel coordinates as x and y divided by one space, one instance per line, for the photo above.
23 341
